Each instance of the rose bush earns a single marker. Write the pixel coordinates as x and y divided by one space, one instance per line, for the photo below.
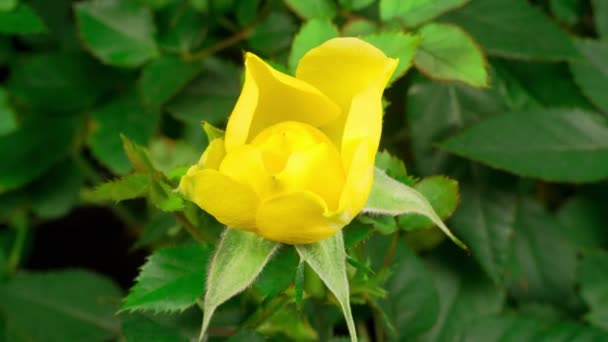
296 163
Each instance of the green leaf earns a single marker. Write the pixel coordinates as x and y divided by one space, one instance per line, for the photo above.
21 20
518 328
209 97
61 30
164 77
8 120
328 259
383 224
81 303
312 8
169 155
171 280
396 45
359 27
125 115
600 15
156 4
140 327
278 274
165 198
3 272
566 11
591 74
246 12
273 34
392 166
118 32
200 5
593 277
412 304
540 84
503 28
435 110
8 5
57 191
58 81
125 188
485 220
23 151
543 261
238 260
465 295
568 145
390 197
584 221
159 227
356 232
299 284
286 322
246 336
179 29
355 4
415 12
443 195
7 51
311 34
446 52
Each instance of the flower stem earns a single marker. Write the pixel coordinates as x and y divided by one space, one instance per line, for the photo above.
20 224
224 44
190 228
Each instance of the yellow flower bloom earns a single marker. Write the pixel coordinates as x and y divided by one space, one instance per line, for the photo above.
296 163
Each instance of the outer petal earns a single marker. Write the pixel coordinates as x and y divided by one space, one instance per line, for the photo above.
359 179
245 165
296 218
269 97
364 121
213 155
230 202
342 68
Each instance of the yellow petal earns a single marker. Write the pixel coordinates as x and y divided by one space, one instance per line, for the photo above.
364 121
269 97
245 165
230 202
342 68
359 179
318 170
296 218
213 155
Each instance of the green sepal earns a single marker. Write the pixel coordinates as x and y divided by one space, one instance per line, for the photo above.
238 260
391 197
211 131
328 259
138 155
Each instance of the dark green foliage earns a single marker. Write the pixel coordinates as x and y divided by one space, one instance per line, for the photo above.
496 114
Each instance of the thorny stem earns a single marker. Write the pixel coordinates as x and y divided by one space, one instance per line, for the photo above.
224 44
20 225
95 178
190 228
268 311
233 40
391 250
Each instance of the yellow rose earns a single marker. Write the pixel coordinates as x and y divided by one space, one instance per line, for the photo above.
297 160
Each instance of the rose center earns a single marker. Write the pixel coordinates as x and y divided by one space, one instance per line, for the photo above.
299 157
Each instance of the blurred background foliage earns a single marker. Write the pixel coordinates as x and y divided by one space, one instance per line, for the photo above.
100 110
